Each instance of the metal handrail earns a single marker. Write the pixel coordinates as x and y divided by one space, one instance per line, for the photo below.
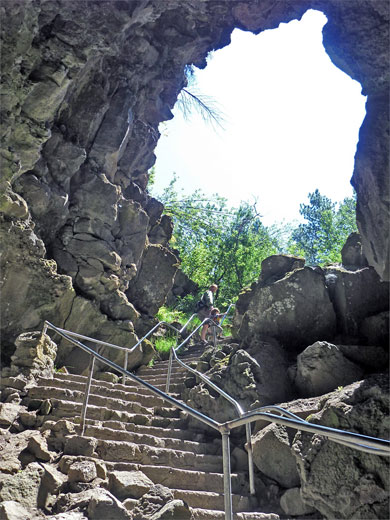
227 312
353 440
111 345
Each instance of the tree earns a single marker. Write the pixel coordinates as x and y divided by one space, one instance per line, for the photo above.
322 237
217 243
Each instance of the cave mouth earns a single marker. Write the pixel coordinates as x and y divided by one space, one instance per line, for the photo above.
291 123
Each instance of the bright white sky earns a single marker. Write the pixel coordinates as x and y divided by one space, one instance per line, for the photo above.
291 124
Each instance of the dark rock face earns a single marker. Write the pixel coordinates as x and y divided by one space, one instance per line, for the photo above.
338 481
352 254
304 305
322 367
355 296
295 310
273 455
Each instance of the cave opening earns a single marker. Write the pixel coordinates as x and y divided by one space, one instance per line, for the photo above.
291 121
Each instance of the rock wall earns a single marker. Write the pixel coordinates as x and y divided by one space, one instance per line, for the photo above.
85 85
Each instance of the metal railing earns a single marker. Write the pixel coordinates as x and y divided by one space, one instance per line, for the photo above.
357 441
126 349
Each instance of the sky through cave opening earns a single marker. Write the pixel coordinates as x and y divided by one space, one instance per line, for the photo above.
291 123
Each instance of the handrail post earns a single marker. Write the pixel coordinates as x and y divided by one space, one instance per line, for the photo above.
44 330
86 395
214 336
250 459
125 367
169 371
227 480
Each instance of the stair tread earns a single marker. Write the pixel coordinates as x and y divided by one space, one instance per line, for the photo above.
212 514
103 432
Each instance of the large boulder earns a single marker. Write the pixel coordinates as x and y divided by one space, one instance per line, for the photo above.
23 486
276 267
375 329
352 256
273 456
356 296
295 310
339 481
322 367
34 356
292 504
254 377
159 504
129 484
95 503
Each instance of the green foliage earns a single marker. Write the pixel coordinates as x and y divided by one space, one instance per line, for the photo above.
151 176
217 244
328 225
170 315
165 343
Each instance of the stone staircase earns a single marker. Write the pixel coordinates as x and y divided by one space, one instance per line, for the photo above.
129 428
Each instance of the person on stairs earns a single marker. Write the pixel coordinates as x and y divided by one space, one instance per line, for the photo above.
206 304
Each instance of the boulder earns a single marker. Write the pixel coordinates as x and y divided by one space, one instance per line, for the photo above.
342 482
369 357
276 267
76 445
11 510
295 310
23 487
322 367
352 256
355 296
70 515
11 445
129 484
82 471
12 204
9 412
34 355
292 504
96 504
37 445
273 456
153 502
375 329
173 510
254 377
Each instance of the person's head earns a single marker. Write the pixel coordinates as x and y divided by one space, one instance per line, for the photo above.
213 287
214 311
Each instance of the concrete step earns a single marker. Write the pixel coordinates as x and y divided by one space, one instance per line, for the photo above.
159 381
63 409
210 514
76 392
160 370
139 427
213 500
175 478
158 442
122 451
67 381
40 393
